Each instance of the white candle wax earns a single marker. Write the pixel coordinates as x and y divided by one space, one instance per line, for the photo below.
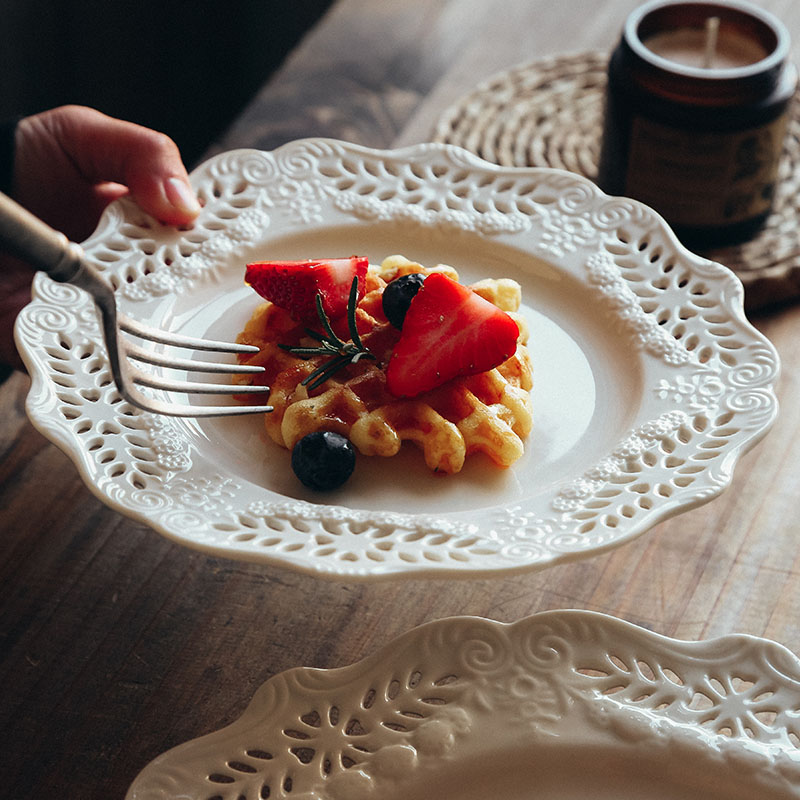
688 47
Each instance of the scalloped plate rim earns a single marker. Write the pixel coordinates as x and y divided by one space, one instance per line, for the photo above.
715 651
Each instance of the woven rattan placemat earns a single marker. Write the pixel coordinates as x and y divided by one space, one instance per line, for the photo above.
549 113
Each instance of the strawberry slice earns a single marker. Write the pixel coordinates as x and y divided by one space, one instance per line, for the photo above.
449 331
293 285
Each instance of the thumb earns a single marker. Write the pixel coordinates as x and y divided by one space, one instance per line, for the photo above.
105 149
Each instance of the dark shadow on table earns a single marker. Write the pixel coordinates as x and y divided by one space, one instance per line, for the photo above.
186 68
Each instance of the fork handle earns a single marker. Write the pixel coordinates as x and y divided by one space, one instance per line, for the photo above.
26 236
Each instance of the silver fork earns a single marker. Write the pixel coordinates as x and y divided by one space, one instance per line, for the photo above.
26 236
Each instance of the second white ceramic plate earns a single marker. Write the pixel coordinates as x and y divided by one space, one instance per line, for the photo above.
649 381
564 705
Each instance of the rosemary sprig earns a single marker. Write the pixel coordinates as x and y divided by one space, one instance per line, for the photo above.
342 353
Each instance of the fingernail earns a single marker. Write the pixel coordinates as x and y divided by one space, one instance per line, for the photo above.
181 196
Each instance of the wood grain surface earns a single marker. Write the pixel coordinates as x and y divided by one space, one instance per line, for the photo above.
116 644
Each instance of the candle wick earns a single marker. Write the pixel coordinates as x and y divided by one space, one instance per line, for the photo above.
712 31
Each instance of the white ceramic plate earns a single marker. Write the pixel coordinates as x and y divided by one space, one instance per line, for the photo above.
563 705
649 382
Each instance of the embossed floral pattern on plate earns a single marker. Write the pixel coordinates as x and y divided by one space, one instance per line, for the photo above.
573 703
649 381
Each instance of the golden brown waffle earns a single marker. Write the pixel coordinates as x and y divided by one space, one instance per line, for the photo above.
488 413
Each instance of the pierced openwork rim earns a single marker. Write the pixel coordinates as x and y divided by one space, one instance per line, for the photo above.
465 690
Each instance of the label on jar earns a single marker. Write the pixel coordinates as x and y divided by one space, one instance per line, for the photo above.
704 178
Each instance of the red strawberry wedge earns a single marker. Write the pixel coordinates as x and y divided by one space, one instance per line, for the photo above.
293 285
449 331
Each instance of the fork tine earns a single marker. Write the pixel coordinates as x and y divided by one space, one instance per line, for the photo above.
178 340
168 408
177 410
160 360
193 387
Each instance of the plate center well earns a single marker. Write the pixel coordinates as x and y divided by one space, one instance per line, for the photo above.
586 392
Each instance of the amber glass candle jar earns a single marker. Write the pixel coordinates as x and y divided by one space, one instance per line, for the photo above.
696 111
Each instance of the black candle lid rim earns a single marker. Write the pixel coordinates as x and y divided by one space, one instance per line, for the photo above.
730 10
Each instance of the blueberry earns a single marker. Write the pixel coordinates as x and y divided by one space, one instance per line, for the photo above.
397 297
323 460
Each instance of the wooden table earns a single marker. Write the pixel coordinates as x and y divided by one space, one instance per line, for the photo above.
118 644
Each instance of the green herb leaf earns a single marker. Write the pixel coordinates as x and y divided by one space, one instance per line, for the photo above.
342 353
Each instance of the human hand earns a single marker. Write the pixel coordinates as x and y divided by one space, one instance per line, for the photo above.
70 163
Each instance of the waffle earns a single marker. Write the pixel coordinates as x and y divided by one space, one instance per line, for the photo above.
488 413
